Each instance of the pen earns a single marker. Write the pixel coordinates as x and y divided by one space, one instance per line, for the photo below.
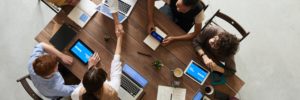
171 97
141 53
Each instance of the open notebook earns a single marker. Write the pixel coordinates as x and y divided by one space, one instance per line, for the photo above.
154 39
82 12
170 93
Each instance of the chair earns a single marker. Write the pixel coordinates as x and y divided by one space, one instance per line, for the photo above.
55 8
228 19
27 87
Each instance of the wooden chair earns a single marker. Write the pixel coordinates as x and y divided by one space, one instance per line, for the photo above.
228 19
55 8
27 87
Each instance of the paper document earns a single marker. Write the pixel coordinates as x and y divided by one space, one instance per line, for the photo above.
152 42
82 12
170 93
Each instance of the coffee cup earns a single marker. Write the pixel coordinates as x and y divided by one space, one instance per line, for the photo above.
209 90
178 72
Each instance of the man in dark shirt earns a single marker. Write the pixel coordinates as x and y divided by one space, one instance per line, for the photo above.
215 45
185 13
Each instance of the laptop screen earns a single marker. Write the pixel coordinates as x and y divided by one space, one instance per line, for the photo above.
81 51
196 72
134 75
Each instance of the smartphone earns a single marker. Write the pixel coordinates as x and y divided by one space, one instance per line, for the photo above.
157 36
198 96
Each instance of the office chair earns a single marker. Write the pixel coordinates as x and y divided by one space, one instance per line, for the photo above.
228 19
55 8
27 87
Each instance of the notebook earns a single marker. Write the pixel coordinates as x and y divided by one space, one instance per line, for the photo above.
155 38
170 93
62 37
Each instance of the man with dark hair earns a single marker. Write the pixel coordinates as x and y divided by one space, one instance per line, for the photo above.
43 70
214 44
185 13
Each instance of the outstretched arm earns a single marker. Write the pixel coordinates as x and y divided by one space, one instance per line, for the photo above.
52 50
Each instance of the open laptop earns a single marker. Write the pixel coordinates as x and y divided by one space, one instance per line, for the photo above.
196 72
132 84
125 8
83 12
62 37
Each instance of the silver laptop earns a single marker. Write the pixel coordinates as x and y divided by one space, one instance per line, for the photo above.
125 8
132 84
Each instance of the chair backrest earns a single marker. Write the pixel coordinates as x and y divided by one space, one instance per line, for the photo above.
27 87
232 22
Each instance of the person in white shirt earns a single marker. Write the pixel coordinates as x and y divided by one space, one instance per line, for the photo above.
94 85
114 8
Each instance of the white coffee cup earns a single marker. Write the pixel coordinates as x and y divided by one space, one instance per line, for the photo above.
209 89
178 72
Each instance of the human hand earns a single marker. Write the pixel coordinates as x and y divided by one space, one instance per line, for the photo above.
150 27
66 59
94 60
168 40
210 64
119 30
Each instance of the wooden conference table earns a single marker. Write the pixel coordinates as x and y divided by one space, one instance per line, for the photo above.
177 54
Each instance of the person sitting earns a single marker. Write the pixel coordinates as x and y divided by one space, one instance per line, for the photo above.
61 3
214 43
43 70
94 85
185 13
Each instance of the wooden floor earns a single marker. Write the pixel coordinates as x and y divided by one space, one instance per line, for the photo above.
177 54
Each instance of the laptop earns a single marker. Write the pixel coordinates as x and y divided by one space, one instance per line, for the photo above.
82 12
125 8
132 84
62 37
196 72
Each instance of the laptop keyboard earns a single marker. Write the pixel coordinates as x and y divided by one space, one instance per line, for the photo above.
123 7
129 86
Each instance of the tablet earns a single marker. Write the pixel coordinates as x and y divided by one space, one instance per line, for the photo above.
81 51
196 72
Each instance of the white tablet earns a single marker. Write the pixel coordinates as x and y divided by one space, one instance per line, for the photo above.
196 72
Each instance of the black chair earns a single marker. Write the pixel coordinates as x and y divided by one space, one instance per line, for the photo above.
55 8
27 87
228 19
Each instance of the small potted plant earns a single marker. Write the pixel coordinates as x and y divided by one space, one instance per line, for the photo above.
157 64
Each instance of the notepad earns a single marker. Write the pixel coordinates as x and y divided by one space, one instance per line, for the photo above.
170 93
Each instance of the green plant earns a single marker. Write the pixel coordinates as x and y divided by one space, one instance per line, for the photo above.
157 64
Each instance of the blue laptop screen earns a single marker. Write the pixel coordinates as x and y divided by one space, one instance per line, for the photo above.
198 96
134 75
81 51
197 72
